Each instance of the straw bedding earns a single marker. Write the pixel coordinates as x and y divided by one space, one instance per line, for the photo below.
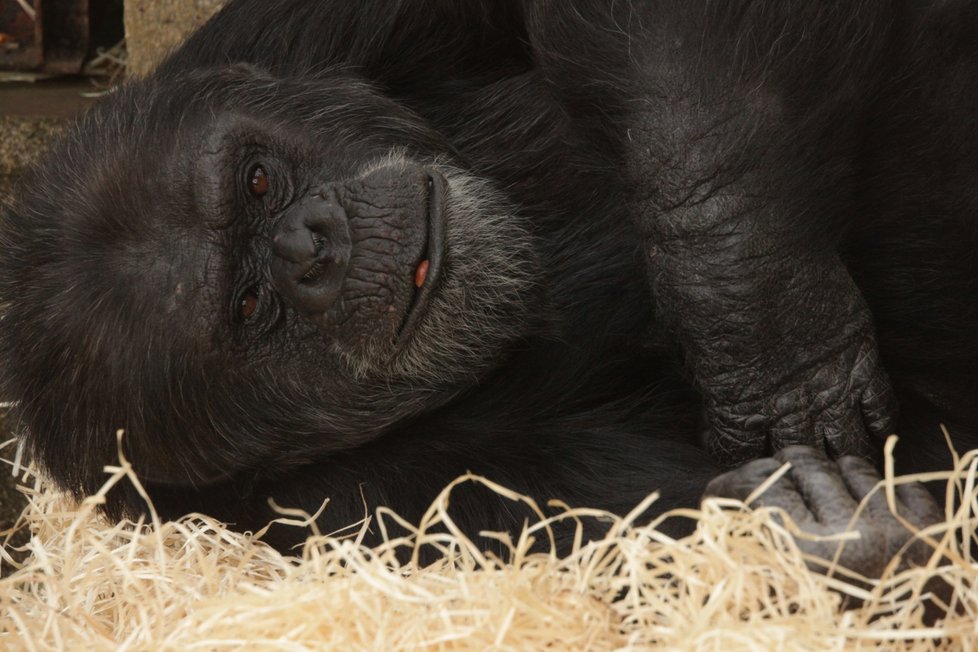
738 582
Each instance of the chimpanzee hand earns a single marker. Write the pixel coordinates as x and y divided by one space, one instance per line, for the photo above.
822 495
784 353
832 393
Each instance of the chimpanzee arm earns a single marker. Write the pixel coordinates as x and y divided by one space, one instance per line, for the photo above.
581 460
743 141
413 44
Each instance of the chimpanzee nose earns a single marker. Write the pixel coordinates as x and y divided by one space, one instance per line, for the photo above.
311 251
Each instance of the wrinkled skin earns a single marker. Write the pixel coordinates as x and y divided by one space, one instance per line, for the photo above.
587 248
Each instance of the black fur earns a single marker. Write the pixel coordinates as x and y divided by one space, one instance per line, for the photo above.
793 185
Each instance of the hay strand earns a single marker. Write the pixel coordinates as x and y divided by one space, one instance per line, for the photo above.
738 582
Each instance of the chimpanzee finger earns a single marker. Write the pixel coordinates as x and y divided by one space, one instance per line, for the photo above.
794 427
879 405
820 484
914 501
742 482
842 430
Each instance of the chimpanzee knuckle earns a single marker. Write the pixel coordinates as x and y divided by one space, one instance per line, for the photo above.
790 400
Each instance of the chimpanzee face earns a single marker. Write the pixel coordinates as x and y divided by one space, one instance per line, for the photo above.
239 269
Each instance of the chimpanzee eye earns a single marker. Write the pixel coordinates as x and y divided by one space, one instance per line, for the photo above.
248 303
258 182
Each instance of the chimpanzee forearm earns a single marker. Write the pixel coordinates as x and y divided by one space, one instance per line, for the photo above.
775 332
743 173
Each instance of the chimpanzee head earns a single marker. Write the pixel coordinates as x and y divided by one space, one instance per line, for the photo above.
244 270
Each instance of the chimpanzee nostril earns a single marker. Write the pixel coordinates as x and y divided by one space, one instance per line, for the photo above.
311 247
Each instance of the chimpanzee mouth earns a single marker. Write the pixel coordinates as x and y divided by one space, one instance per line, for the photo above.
427 269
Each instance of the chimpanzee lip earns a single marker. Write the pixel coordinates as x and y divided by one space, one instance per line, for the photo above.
433 252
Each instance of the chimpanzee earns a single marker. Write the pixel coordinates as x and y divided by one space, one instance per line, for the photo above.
588 248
